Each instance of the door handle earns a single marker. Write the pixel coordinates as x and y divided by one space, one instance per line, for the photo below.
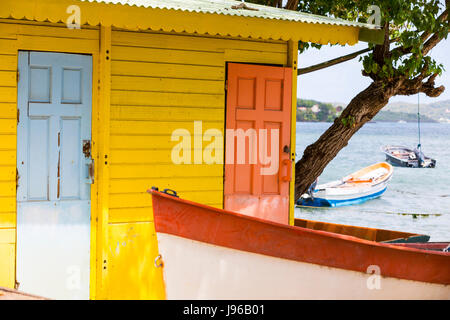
288 164
91 171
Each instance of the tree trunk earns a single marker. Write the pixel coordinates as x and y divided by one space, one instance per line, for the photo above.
360 110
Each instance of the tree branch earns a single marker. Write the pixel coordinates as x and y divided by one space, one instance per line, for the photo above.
431 43
429 87
332 62
292 5
335 61
435 38
381 52
428 43
414 86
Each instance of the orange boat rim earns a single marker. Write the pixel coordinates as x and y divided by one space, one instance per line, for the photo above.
210 253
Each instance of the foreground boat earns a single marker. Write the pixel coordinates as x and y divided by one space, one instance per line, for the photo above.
11 294
210 253
401 156
359 187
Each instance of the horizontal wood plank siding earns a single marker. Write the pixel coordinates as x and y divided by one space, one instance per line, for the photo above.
163 82
8 129
159 83
15 36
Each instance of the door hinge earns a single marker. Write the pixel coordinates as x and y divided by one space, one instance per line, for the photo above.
18 116
226 85
18 76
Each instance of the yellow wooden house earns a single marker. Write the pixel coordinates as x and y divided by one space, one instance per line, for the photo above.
90 94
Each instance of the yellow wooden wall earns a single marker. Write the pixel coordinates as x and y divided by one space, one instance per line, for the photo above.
159 83
8 67
15 36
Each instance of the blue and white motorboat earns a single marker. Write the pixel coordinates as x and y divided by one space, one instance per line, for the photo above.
361 186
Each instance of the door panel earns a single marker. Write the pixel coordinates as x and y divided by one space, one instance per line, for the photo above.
270 182
72 86
38 153
258 103
40 84
70 137
53 194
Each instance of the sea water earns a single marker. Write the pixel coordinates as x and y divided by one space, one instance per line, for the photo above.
416 200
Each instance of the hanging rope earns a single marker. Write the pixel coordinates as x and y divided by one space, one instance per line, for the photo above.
419 146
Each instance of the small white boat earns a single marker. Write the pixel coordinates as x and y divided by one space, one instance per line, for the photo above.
365 184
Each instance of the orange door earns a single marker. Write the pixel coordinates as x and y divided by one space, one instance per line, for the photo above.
257 156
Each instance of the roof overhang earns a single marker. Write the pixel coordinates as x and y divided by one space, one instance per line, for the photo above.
265 23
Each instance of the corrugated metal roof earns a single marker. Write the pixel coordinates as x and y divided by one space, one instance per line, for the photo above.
224 7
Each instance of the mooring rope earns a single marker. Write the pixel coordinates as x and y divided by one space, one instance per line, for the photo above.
419 146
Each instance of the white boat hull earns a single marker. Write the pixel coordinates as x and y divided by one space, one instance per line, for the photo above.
210 253
351 193
198 270
359 187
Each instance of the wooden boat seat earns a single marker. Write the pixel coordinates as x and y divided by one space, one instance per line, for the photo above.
360 181
369 178
404 155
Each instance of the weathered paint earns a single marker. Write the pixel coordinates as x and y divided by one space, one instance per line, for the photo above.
101 240
30 36
53 195
293 63
132 249
258 98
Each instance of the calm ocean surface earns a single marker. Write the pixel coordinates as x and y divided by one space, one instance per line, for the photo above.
411 191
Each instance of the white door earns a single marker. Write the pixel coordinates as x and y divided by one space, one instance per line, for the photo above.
54 174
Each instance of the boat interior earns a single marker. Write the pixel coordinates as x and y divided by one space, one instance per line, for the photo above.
404 154
431 246
371 174
370 234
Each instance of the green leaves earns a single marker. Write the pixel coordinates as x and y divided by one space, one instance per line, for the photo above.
408 20
348 121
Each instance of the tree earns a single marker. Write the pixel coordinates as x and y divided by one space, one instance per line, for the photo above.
399 66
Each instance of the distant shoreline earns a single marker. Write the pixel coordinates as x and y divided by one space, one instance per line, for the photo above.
316 111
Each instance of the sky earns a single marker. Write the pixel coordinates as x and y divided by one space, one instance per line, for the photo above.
344 81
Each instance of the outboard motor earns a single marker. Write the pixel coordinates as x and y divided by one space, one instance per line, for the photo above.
311 188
